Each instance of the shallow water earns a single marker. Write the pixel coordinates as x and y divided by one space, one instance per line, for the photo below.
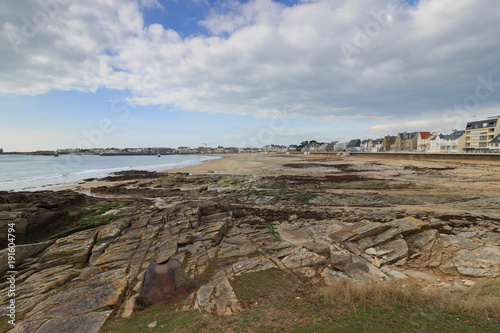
27 172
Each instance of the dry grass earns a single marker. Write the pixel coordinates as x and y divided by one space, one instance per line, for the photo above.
483 299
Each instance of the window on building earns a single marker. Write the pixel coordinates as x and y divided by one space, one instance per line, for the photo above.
483 144
483 137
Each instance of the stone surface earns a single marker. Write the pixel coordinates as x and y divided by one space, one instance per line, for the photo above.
217 296
88 323
21 252
300 257
331 277
391 251
96 293
73 249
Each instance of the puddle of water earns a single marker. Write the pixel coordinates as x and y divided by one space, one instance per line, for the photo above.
160 285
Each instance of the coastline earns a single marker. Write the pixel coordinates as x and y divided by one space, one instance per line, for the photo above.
70 176
291 213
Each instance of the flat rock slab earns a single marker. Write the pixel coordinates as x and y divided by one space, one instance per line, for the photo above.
22 252
217 296
98 292
72 249
89 323
249 265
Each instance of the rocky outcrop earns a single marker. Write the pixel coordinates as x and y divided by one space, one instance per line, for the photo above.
190 252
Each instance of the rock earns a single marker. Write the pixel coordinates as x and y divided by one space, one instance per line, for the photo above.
301 257
73 249
19 227
408 225
153 324
357 242
88 323
293 217
307 272
481 262
331 277
249 265
361 230
371 251
319 247
395 275
392 251
22 252
103 290
217 296
469 283
420 276
339 259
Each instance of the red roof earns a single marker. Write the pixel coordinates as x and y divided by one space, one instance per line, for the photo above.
425 135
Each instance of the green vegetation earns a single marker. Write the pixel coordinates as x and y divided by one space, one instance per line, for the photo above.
110 205
228 181
270 226
277 301
304 197
96 217
99 219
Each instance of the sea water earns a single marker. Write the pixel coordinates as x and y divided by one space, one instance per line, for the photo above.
28 172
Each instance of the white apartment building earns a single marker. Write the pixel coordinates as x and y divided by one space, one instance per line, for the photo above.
478 134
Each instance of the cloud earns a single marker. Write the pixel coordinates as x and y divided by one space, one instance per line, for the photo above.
262 57
439 126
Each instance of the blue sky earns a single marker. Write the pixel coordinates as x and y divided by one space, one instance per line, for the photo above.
242 73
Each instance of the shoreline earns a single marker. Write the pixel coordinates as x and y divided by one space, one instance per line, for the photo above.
266 164
26 185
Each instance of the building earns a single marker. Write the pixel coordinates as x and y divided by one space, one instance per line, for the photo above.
423 141
1 150
478 134
353 145
340 146
376 145
405 142
366 145
494 145
452 143
388 142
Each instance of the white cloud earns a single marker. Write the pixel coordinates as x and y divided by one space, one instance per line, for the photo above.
262 56
438 126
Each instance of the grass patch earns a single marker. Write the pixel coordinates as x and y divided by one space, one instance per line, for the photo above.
96 217
277 301
228 181
110 205
481 300
99 219
304 197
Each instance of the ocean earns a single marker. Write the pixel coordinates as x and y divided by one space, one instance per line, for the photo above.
26 172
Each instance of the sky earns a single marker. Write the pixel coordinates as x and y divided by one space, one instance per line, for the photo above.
169 73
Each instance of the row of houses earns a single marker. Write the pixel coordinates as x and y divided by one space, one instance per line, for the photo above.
481 136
